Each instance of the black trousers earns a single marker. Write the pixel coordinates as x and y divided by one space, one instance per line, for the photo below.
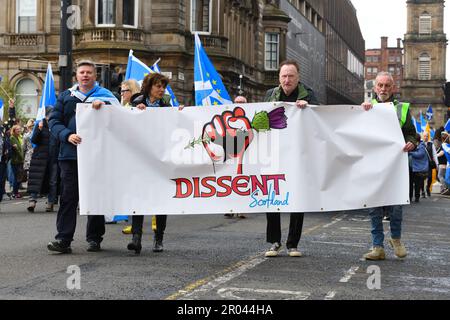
161 221
295 229
66 219
418 181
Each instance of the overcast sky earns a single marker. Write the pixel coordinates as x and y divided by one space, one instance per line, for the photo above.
388 18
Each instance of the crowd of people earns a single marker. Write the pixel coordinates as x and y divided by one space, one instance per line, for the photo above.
29 159
45 156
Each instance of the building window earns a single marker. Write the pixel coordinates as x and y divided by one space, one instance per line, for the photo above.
375 59
201 16
130 13
26 16
106 12
272 51
369 59
425 23
424 67
375 70
391 59
28 97
391 70
399 59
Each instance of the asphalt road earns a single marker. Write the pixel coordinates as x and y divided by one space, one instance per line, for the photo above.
209 257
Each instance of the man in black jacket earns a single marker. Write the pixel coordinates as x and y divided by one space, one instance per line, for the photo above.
289 90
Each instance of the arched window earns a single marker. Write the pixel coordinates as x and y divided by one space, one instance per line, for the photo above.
425 23
27 97
424 66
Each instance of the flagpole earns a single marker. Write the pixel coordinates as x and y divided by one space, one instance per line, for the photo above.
197 48
5 92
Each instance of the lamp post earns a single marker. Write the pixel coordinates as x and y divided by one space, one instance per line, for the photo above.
65 49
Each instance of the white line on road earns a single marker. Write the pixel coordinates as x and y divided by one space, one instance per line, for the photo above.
330 295
336 220
229 293
348 275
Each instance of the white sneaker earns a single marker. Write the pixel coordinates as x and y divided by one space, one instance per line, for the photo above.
274 250
293 252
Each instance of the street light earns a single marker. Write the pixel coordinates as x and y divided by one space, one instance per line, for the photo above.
65 49
240 92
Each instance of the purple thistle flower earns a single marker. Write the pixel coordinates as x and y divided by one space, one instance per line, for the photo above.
278 118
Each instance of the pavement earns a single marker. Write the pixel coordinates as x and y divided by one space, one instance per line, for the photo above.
208 257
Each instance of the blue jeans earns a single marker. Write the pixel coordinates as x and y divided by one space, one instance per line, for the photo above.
396 217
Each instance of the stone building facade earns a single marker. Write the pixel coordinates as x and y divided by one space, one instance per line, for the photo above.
425 57
245 39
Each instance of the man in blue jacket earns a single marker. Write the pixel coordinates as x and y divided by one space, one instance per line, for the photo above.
63 126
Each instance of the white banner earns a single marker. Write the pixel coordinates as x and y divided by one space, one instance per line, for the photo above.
166 161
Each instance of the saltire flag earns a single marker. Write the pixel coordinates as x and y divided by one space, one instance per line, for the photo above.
48 98
209 89
429 113
1 111
417 125
446 148
423 122
447 126
137 70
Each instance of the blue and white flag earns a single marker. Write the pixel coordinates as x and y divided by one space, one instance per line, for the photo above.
417 125
429 113
209 89
447 126
137 70
423 122
1 111
48 98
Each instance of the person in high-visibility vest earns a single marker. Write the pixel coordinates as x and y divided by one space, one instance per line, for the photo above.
384 88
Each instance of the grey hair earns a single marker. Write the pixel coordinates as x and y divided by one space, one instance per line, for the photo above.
384 74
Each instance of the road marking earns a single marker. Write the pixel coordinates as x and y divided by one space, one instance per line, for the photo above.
211 282
229 293
342 243
348 275
335 220
330 295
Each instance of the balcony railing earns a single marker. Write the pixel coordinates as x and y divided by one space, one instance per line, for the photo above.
86 36
24 40
215 42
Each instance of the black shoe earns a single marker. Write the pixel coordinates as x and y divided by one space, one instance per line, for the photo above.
417 200
31 206
158 246
135 243
94 246
423 195
59 246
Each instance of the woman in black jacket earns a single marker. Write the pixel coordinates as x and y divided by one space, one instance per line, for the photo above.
152 96
43 174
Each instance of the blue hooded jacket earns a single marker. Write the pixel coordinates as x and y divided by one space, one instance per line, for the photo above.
420 158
